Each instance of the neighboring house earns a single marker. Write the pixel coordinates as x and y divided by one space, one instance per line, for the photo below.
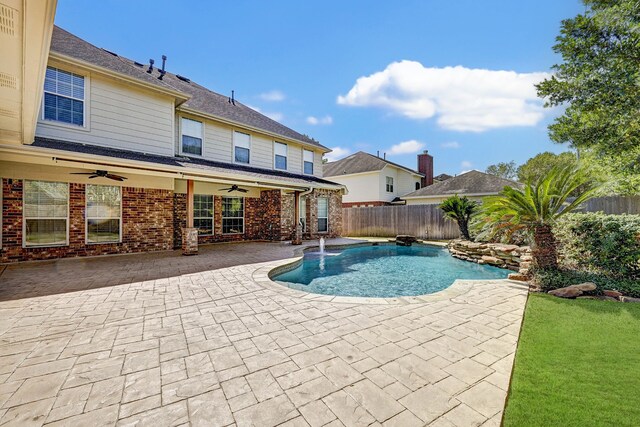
474 184
442 177
125 157
371 180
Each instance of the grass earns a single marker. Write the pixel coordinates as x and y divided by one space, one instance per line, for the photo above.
577 364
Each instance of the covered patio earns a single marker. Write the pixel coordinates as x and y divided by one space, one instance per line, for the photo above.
163 339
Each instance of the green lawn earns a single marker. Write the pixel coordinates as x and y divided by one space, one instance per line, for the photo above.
577 364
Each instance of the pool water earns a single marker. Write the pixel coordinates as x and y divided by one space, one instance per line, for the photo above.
383 271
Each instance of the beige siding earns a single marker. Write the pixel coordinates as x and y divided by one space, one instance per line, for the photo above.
406 182
361 187
261 151
294 158
119 116
218 142
317 164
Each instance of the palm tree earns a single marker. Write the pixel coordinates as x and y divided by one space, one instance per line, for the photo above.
538 206
460 209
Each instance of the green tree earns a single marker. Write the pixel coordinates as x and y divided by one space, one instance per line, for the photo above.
598 81
538 206
540 165
460 209
506 170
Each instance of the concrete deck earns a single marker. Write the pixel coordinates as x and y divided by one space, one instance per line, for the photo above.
161 339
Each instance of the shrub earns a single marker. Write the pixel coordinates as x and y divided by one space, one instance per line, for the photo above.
600 243
554 279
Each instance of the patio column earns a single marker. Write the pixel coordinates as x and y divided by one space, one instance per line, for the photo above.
189 233
297 237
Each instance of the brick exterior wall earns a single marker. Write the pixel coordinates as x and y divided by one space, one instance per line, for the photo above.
147 224
152 220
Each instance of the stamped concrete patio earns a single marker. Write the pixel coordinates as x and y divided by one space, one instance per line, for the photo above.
161 339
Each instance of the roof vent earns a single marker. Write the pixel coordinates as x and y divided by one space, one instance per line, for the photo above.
162 71
232 100
184 79
151 62
139 64
109 52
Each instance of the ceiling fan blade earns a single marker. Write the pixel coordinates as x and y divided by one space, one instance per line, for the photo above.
242 190
115 177
83 173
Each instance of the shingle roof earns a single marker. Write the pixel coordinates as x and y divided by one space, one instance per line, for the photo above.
473 182
442 177
201 99
358 163
207 166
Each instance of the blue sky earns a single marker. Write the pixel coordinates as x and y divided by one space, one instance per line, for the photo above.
430 71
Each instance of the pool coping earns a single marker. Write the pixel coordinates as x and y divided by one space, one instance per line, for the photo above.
263 277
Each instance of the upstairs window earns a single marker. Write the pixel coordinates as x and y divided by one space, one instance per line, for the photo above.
241 147
417 185
104 213
203 213
46 213
308 162
64 97
232 215
323 214
280 153
191 137
389 184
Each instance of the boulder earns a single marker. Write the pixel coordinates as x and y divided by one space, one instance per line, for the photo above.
586 286
568 292
405 240
518 277
629 299
492 260
612 293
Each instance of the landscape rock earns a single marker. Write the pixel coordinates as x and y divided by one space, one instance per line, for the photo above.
518 277
629 299
512 257
586 286
568 292
492 260
405 240
612 293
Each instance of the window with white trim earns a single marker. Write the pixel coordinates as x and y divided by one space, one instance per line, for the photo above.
280 155
191 137
232 215
241 147
63 97
389 184
323 214
46 213
203 213
104 213
308 162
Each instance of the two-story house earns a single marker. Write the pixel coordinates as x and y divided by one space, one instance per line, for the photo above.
373 180
128 157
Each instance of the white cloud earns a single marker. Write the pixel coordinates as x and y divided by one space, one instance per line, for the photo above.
406 147
451 144
337 153
466 164
272 96
462 99
326 120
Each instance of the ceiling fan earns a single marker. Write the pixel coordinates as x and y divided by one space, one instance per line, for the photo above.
101 174
235 187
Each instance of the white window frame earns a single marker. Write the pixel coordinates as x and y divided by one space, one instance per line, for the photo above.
286 155
24 218
244 209
233 154
389 183
85 103
86 217
212 217
323 217
193 136
313 158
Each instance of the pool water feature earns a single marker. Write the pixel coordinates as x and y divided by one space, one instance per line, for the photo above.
383 271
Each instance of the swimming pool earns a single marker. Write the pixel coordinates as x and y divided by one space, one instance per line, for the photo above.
383 271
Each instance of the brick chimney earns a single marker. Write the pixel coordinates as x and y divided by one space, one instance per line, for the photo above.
425 166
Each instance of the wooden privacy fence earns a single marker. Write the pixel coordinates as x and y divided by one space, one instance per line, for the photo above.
428 222
422 221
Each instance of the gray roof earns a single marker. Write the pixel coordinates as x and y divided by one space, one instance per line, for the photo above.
473 182
207 166
358 163
200 99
